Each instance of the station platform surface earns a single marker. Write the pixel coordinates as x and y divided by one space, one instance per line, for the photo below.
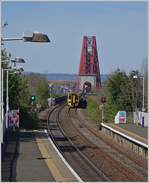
131 130
135 131
30 157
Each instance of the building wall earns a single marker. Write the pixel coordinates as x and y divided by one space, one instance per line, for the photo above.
91 79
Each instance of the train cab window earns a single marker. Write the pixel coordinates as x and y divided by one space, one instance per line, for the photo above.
77 98
73 98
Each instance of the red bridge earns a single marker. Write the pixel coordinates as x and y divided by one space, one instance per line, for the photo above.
89 72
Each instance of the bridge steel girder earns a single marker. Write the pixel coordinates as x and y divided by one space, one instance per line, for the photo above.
89 63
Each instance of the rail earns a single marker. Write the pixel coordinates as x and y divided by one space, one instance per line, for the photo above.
71 144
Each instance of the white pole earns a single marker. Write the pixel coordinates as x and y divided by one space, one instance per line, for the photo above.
143 103
102 113
7 100
50 91
143 95
1 121
2 94
1 112
2 105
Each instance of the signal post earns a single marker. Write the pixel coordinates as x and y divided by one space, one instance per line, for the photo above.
101 107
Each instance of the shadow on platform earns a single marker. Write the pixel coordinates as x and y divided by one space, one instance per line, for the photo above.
10 152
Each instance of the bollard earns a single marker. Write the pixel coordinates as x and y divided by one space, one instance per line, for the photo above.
142 121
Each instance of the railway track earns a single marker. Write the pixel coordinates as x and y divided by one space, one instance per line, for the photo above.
95 132
115 164
77 160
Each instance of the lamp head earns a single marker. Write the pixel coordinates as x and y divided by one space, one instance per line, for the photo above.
36 37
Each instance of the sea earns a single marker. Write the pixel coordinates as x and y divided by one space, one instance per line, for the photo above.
63 76
69 77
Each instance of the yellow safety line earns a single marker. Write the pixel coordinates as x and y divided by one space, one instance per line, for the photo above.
49 161
131 133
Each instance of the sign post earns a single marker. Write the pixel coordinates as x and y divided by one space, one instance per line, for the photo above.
33 98
101 107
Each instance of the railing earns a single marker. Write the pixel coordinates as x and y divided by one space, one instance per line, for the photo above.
125 140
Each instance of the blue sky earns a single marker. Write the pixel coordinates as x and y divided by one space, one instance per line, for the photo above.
120 29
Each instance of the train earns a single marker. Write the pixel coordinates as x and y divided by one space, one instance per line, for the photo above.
76 100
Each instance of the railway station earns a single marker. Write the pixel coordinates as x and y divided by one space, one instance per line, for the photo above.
49 154
78 109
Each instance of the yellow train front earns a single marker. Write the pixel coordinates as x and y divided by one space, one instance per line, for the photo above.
73 100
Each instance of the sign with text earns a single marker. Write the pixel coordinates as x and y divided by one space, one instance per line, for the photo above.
120 117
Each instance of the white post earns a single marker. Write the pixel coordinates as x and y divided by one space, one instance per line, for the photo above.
2 111
7 100
1 139
102 113
143 103
143 95
50 92
1 104
2 94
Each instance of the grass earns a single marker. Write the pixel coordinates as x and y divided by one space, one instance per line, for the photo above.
110 111
93 108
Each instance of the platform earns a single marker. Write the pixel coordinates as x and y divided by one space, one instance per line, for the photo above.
129 136
135 131
31 157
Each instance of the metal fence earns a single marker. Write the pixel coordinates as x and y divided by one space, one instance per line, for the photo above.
136 118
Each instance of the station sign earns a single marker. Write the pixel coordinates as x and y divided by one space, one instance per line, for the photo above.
120 117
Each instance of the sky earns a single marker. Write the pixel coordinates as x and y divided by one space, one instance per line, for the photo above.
120 29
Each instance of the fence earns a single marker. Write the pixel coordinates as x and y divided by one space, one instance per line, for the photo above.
136 118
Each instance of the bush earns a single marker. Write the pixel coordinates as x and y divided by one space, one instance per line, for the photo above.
110 111
28 118
93 109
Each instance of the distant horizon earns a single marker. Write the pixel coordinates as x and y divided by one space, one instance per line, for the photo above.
77 73
55 73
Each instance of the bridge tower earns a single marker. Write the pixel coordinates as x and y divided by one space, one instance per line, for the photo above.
89 73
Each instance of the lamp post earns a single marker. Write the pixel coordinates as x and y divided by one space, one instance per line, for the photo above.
2 106
27 37
7 99
50 86
143 109
2 100
30 37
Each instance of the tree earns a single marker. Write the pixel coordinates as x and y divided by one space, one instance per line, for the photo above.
16 83
135 90
123 93
144 71
38 86
116 83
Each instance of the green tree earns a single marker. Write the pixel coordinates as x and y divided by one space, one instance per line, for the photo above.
116 83
38 86
123 93
43 93
144 71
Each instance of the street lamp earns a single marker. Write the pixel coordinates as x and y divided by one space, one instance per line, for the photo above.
17 60
50 86
30 37
143 109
